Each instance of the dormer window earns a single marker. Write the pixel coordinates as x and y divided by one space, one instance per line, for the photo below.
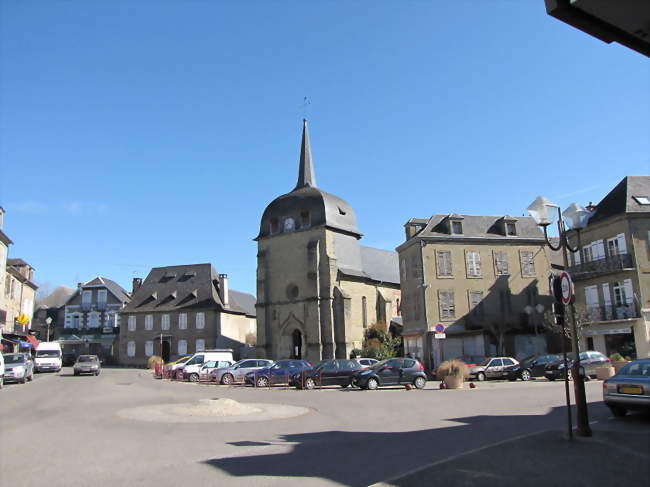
305 221
275 225
457 227
507 226
511 229
289 225
642 200
455 224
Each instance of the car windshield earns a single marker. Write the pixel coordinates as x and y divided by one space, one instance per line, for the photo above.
86 358
48 353
486 361
641 369
14 358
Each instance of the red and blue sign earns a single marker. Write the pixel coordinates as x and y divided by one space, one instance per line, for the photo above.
440 328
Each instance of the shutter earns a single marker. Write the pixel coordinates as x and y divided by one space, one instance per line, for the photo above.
576 258
600 246
622 248
629 292
607 297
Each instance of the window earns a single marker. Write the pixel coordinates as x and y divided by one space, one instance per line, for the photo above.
200 344
182 321
182 347
443 262
511 229
200 321
148 322
473 260
76 321
148 348
642 200
131 323
501 263
364 312
616 245
289 224
447 308
475 302
86 298
304 219
507 361
457 228
93 320
275 225
102 296
130 349
164 322
527 263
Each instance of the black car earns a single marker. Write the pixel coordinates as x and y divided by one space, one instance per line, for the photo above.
391 372
68 359
327 373
531 367
589 360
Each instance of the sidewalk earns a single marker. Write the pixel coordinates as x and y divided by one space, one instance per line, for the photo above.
546 459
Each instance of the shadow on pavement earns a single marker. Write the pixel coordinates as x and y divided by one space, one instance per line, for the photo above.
362 458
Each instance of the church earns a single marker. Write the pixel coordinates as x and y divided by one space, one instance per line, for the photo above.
318 288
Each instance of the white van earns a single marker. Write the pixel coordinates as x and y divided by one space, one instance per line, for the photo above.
194 364
48 357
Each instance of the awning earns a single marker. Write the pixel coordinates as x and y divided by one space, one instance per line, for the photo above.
33 340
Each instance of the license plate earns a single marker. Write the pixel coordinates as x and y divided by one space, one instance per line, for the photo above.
630 390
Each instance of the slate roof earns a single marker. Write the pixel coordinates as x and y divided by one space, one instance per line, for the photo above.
57 298
621 199
357 260
173 288
17 263
118 291
478 226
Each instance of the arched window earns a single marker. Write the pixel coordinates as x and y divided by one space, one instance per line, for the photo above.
364 312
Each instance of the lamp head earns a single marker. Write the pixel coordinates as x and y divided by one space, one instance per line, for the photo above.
576 216
540 211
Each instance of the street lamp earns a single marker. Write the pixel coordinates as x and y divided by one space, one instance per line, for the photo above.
48 322
543 212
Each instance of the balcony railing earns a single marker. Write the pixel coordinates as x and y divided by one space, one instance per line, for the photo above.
594 268
611 312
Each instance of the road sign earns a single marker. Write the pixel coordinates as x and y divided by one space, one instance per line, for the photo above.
440 328
567 287
439 336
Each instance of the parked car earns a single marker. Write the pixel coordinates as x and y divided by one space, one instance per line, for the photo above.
68 359
394 371
589 360
171 367
530 367
206 370
236 373
192 367
48 357
279 373
18 367
87 364
492 368
337 372
629 389
472 360
2 371
366 362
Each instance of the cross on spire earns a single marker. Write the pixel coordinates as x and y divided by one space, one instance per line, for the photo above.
306 173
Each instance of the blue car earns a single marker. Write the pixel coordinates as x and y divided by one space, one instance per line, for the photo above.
279 373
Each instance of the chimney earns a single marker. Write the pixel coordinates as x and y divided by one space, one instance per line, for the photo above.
591 207
223 278
137 282
79 284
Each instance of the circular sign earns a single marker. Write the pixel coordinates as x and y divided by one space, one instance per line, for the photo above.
440 328
567 287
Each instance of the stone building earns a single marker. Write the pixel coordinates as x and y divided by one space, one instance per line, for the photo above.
317 287
20 293
184 309
611 272
484 279
5 242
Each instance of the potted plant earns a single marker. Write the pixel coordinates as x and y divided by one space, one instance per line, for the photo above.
453 373
618 361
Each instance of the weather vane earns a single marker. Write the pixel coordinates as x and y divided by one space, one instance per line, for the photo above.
305 102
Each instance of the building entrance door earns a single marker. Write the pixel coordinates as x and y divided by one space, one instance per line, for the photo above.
165 352
297 345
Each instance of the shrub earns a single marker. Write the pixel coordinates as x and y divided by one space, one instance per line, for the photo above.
153 361
616 357
452 367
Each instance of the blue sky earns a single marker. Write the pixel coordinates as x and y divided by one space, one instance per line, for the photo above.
149 133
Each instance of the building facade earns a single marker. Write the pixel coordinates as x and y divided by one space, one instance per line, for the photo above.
318 289
611 271
179 310
91 319
481 280
5 242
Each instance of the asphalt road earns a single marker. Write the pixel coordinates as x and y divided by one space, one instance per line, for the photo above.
63 430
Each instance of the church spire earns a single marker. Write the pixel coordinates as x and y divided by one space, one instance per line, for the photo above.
306 173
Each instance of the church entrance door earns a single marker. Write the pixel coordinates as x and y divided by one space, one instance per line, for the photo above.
297 345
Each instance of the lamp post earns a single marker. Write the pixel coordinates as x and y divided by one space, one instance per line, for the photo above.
48 322
543 212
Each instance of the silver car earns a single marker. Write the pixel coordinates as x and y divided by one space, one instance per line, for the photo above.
19 367
87 364
629 389
492 368
237 372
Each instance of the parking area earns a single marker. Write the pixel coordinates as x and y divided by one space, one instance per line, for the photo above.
346 436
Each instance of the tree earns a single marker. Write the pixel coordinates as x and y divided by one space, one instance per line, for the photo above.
554 324
378 343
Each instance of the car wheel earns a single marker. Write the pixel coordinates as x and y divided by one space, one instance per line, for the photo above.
551 378
227 379
372 384
309 383
262 382
96 373
23 380
2 382
76 373
480 377
31 376
419 382
618 411
344 385
525 375
194 377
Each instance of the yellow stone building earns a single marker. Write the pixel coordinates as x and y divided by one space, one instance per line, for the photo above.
318 289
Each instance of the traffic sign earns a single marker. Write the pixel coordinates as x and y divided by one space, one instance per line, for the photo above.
439 336
440 328
567 287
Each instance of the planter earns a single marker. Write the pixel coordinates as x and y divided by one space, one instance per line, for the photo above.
603 373
619 365
454 381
